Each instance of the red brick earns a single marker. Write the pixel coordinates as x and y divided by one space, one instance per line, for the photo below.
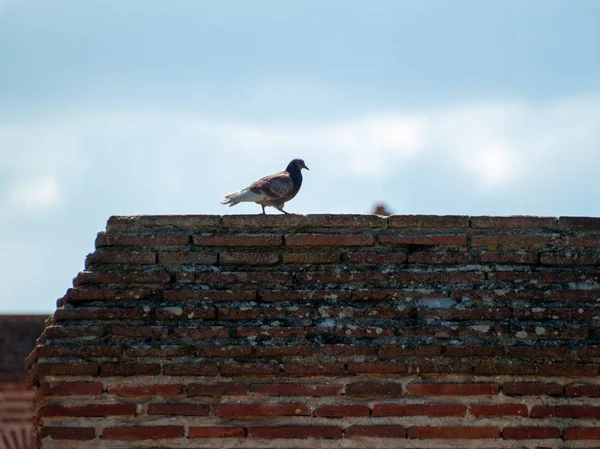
303 295
384 431
585 241
376 368
296 389
582 390
142 433
216 389
249 369
65 369
498 410
436 277
278 332
265 311
71 389
473 351
447 240
365 332
462 433
311 258
59 332
138 331
515 242
146 390
315 369
568 370
141 240
419 410
329 432
565 411
386 258
283 351
261 222
129 369
79 351
248 258
329 240
162 223
236 410
428 221
387 389
179 409
88 410
191 313
248 240
497 367
201 333
508 257
191 369
513 222
530 433
475 313
68 433
531 388
217 432
353 221
99 313
443 389
157 351
187 258
581 433
437 258
240 280
210 295
341 411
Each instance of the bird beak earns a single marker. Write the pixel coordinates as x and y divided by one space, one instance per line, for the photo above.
304 166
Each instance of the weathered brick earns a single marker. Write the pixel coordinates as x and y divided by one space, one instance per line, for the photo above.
129 369
349 240
217 432
340 351
162 223
455 314
365 332
530 433
473 351
182 313
342 411
283 351
508 257
244 279
577 390
315 369
328 432
278 332
303 295
584 223
532 352
68 433
210 295
380 258
179 409
138 331
239 410
498 410
419 410
387 389
81 351
88 410
187 258
428 221
453 433
376 431
216 389
311 258
201 333
142 433
146 390
247 240
190 369
513 222
531 388
565 411
141 240
98 313
344 221
249 369
71 389
443 389
568 370
224 351
581 433
248 258
440 258
69 332
296 389
376 368
567 259
268 311
499 367
65 369
103 256
446 240
515 242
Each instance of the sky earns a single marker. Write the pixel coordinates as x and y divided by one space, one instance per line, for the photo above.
112 107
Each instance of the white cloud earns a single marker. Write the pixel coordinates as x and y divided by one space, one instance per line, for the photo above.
33 194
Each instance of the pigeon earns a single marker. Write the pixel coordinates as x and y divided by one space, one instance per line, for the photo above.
273 190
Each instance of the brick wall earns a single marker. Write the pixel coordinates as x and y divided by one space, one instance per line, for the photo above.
17 338
327 331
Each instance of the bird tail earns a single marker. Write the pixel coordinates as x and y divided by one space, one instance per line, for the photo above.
244 195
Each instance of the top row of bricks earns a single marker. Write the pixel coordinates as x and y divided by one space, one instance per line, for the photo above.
198 223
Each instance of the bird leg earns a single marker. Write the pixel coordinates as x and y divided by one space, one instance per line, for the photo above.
263 208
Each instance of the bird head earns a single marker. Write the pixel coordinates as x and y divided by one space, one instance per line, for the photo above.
298 163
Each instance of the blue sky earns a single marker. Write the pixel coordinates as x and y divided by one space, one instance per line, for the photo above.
432 106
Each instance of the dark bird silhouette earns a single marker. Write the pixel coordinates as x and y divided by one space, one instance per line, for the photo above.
273 190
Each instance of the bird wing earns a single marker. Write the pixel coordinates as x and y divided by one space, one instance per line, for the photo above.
274 187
